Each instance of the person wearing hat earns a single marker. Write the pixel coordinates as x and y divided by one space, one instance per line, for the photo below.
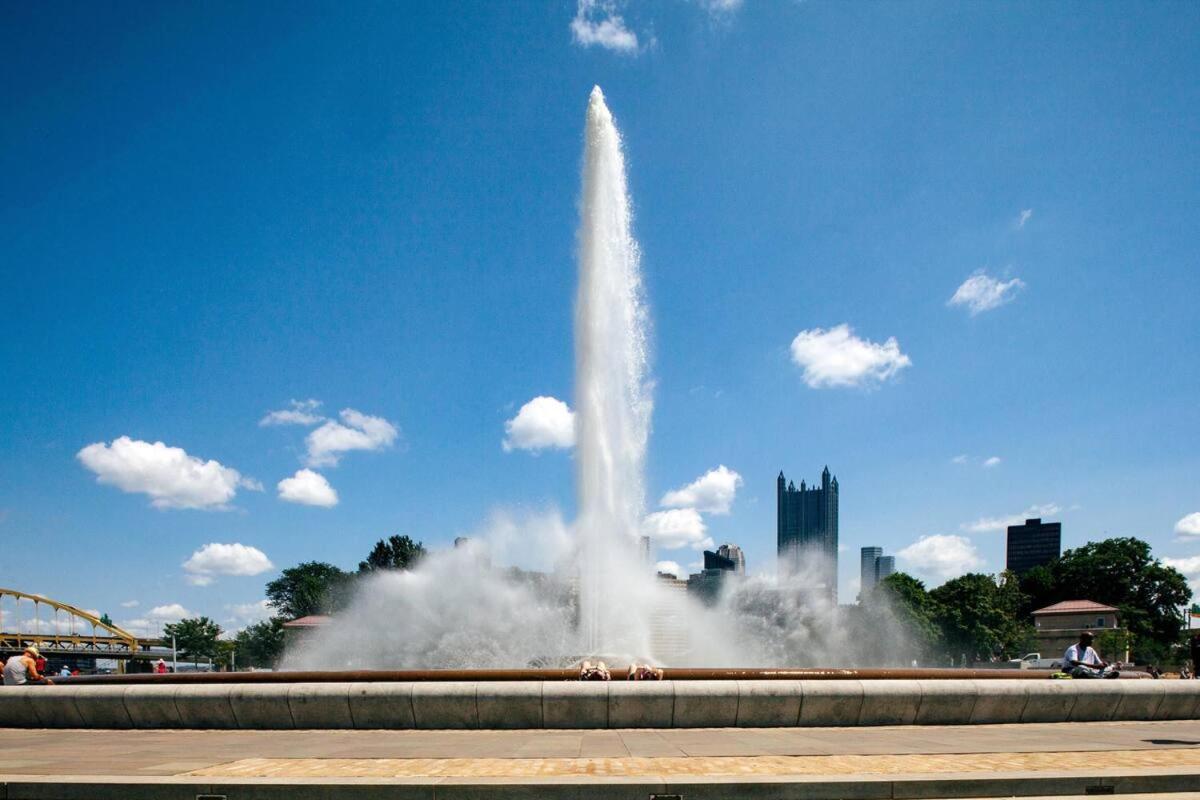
1081 661
22 669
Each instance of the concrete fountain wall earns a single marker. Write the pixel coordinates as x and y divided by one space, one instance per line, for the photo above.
538 704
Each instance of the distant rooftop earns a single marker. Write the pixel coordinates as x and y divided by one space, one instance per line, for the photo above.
311 621
1076 607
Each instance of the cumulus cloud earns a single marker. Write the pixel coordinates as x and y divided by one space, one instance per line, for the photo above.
678 527
308 488
940 557
215 559
993 524
597 23
981 292
836 357
356 431
543 422
130 604
1025 216
712 492
1189 525
991 462
171 477
1190 567
298 412
669 567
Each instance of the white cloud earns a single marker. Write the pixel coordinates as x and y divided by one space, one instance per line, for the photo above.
981 292
679 527
992 524
130 604
1190 567
543 422
308 488
216 559
962 459
940 557
836 357
299 412
1025 216
327 443
597 23
669 567
171 477
991 462
719 7
1189 525
712 492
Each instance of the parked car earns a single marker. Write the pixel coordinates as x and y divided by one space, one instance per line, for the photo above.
1035 661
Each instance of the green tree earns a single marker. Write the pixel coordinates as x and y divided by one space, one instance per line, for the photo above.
1123 573
912 608
394 552
313 587
260 644
977 616
195 638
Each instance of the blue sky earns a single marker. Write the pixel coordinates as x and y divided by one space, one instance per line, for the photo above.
210 211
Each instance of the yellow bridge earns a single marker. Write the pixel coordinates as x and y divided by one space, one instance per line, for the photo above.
58 629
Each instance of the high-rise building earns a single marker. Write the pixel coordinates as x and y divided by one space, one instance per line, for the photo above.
1033 544
886 565
807 531
868 568
707 583
734 554
874 566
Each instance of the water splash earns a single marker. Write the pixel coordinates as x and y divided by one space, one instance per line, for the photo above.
612 396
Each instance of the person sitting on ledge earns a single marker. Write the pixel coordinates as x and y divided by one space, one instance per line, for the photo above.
22 669
1081 661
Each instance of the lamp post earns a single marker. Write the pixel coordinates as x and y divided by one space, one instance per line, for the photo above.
174 655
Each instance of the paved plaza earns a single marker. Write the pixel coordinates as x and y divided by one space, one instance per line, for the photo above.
928 761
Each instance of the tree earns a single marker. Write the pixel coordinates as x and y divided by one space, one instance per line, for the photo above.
313 587
977 616
195 638
395 552
260 644
913 609
1123 573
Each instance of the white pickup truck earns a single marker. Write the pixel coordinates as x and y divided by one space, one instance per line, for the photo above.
1035 661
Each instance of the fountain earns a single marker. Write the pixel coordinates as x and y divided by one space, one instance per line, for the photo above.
458 642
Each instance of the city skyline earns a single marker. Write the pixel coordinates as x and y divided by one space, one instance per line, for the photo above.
268 299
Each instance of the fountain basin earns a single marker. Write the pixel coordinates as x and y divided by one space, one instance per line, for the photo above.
533 704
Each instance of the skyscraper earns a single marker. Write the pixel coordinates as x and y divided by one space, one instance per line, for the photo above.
1033 544
886 565
874 566
868 574
807 531
734 554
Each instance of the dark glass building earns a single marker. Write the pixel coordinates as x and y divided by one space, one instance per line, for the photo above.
1033 544
807 531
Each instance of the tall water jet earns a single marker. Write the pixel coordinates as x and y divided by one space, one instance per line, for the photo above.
612 397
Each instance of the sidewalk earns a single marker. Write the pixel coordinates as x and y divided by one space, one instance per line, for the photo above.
929 761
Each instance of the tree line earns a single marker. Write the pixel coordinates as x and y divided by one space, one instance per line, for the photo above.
979 617
313 587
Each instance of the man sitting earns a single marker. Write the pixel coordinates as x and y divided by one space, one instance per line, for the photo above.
1081 661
